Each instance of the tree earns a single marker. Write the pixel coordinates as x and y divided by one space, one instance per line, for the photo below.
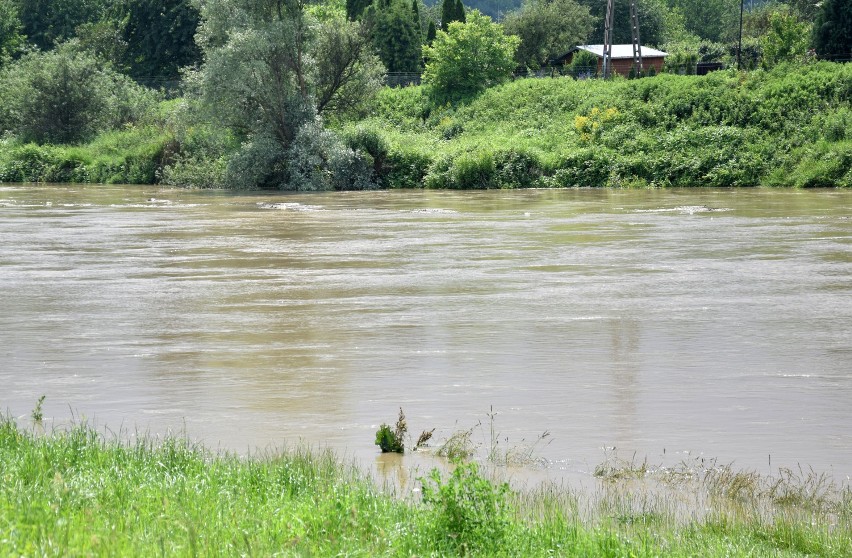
832 36
11 40
356 8
66 96
451 10
47 23
468 58
786 39
712 20
430 33
270 69
459 12
547 29
396 35
160 38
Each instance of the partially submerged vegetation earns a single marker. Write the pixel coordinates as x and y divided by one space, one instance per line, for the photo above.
786 127
78 492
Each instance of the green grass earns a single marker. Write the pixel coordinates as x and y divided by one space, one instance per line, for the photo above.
75 492
787 127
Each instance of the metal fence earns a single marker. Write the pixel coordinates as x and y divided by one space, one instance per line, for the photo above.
402 79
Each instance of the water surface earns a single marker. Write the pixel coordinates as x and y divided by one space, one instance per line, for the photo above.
668 324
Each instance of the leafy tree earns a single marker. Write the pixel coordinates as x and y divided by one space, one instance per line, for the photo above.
270 69
833 30
345 73
786 39
468 58
396 35
11 40
48 22
547 29
66 96
160 38
712 20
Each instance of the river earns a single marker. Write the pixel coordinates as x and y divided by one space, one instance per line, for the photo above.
666 324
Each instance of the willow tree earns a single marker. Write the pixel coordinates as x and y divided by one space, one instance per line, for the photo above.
270 71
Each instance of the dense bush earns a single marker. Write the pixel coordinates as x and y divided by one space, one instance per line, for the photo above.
65 96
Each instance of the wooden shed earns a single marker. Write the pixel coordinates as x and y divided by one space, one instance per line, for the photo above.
622 58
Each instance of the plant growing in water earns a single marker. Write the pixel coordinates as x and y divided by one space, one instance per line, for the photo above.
392 440
37 413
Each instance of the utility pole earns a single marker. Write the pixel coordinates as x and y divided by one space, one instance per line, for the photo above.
607 46
740 40
634 31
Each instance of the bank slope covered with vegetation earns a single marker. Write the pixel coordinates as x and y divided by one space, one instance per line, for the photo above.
70 493
289 94
788 127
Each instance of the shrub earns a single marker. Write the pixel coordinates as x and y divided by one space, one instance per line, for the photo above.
319 160
470 513
407 167
65 96
516 168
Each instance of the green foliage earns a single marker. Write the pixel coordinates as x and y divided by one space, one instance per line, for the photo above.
134 155
472 515
396 35
430 33
269 69
832 35
392 441
448 13
11 39
319 160
65 96
724 129
786 39
583 64
548 29
712 20
356 8
48 23
467 59
37 414
160 38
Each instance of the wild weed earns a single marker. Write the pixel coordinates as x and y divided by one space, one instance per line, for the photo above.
471 513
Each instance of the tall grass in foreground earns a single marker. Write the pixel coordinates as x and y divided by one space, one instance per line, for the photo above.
77 492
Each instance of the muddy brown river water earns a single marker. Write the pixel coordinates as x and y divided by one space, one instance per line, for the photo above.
666 324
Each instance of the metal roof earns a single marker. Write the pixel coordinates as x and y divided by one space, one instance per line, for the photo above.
621 51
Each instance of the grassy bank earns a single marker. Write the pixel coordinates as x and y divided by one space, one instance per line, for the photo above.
787 127
790 127
76 492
